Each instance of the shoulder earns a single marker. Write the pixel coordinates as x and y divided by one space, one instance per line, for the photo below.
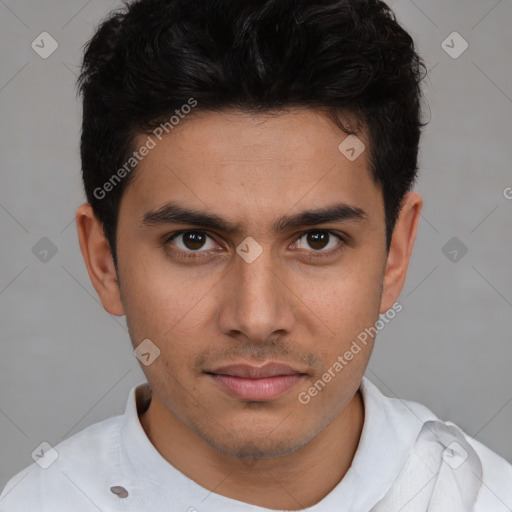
496 491
63 477
417 424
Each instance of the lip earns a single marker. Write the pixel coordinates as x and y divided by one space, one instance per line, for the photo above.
256 372
259 384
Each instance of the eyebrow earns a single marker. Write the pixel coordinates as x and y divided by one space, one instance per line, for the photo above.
174 213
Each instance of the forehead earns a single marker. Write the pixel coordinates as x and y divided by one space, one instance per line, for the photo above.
268 160
248 137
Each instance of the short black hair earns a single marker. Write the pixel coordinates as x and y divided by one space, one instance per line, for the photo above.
150 58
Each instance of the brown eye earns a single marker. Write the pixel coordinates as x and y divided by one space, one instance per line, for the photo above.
318 240
192 241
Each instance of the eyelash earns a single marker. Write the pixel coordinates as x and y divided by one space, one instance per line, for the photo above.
204 254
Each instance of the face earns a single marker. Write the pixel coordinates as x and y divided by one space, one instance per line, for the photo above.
255 277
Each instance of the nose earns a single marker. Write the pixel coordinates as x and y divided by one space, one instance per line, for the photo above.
256 301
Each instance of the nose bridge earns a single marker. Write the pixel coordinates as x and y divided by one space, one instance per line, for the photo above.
256 279
256 301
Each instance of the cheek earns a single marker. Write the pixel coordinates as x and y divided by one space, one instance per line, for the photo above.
348 305
158 294
344 302
157 310
166 306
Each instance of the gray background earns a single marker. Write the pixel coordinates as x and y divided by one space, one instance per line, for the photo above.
65 363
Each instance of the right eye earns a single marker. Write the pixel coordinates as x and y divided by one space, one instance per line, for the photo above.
191 241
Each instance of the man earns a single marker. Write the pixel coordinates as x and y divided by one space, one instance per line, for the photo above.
249 170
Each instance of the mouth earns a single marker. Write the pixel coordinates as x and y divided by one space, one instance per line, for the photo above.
256 384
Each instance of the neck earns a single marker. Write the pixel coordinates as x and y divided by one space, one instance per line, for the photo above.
291 482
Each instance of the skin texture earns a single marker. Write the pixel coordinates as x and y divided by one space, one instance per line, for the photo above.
287 305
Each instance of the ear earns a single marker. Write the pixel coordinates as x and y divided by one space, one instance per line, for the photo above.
402 243
98 259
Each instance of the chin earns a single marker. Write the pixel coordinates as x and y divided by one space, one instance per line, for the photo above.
254 446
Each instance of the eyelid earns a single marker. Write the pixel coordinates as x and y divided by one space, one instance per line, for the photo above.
183 231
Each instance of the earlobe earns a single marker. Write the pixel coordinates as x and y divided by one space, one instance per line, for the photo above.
98 259
400 251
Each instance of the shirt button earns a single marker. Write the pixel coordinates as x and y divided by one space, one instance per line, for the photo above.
119 491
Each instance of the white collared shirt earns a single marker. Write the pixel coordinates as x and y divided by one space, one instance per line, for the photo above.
407 459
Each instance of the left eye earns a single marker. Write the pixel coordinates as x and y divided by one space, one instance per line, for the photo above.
319 241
